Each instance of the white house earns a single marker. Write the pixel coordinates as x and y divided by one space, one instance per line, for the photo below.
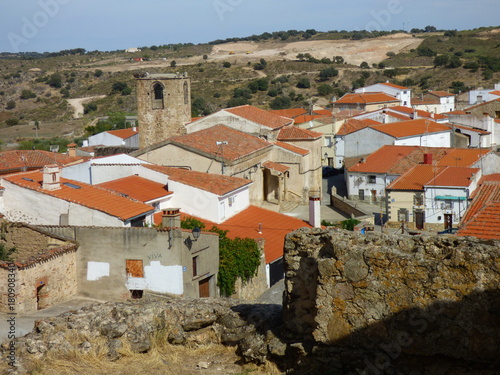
48 199
484 95
122 137
403 94
445 99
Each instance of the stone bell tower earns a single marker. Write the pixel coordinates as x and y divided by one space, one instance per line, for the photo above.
164 106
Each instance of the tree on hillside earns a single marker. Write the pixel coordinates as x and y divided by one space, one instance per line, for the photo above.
304 83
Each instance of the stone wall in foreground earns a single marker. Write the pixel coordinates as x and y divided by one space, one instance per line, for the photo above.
393 296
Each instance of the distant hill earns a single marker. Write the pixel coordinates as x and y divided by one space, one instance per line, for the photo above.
294 70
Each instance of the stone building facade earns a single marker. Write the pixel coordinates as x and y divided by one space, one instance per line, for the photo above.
164 106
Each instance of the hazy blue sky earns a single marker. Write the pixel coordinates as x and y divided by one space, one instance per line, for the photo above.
53 25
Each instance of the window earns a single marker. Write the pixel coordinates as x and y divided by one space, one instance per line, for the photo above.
158 96
372 179
134 268
186 93
402 214
195 266
328 142
361 194
418 199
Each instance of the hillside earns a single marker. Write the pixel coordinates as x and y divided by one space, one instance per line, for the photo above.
271 73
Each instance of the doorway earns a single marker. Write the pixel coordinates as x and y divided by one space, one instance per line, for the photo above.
419 219
448 221
41 297
204 287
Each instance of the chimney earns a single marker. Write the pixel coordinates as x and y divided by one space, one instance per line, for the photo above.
314 211
260 228
51 177
72 149
134 128
171 218
428 158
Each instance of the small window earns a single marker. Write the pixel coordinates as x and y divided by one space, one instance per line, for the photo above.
402 214
134 268
372 179
158 96
186 93
328 141
418 199
195 266
361 194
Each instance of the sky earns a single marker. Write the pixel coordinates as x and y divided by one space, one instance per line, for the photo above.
107 25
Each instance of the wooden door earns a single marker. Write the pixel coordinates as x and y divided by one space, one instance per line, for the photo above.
204 286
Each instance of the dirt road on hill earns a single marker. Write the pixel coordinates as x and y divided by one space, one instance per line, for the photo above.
77 104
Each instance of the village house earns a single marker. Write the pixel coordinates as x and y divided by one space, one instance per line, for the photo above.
367 177
352 141
433 197
122 137
484 95
403 94
48 199
366 102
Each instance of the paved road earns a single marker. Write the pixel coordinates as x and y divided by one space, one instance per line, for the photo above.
24 324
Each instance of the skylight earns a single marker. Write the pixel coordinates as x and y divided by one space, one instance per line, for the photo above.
69 184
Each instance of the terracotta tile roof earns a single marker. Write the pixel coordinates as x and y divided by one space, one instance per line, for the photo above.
366 98
410 128
479 131
13 161
275 226
325 112
138 188
399 159
260 116
415 178
87 195
431 175
293 133
351 125
213 183
457 112
293 148
275 166
394 86
482 218
496 92
481 104
346 113
306 118
420 113
238 145
123 133
290 113
440 93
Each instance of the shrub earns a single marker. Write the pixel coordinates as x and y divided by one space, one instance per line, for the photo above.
173 63
127 91
281 102
97 73
326 73
364 65
11 104
324 89
90 107
304 83
55 80
12 121
27 94
226 64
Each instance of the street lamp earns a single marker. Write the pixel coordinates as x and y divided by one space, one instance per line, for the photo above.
196 234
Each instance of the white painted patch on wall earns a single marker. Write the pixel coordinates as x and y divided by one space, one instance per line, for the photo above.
158 278
96 270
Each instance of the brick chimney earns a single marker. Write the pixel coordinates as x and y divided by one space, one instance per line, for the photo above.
171 218
315 211
51 177
428 158
72 149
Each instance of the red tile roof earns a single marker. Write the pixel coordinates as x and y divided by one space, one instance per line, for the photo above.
394 86
351 125
481 104
346 113
13 161
275 227
432 175
138 188
293 148
306 118
275 166
260 116
416 101
441 93
294 133
238 145
454 126
325 112
410 128
366 98
496 92
482 218
213 183
123 133
419 112
87 195
399 159
290 113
